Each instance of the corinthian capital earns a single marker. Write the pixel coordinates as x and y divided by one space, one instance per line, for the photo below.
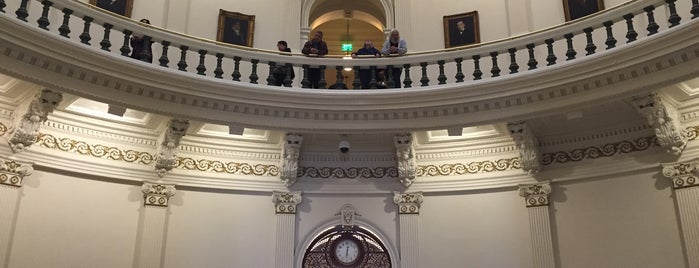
12 172
405 158
683 174
408 203
285 203
290 158
663 118
528 146
170 140
535 194
25 130
156 194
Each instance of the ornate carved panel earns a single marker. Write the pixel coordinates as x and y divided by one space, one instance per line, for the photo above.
285 203
156 194
535 195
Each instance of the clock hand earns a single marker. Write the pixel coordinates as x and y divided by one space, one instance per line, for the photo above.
347 252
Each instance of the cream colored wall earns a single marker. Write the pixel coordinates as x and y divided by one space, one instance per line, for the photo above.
69 222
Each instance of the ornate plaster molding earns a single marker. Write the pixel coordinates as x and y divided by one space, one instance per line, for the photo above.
469 168
290 158
535 195
594 152
12 172
683 174
348 173
663 117
408 203
157 194
528 145
347 214
25 129
405 158
166 158
285 203
227 167
94 150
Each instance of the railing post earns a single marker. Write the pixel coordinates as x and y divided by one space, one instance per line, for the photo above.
340 83
373 84
305 83
146 54
514 67
459 73
43 21
611 41
357 83
652 25
125 48
85 35
441 78
105 44
631 34
253 76
201 68
424 81
2 6
477 73
182 64
570 53
65 29
163 57
270 77
590 48
388 73
532 61
674 19
236 68
287 78
22 11
407 82
695 9
218 72
495 70
322 83
551 58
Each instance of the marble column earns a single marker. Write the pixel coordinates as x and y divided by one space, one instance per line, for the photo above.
149 249
12 174
685 182
409 226
285 208
537 201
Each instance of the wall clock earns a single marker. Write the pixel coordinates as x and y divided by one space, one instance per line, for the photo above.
347 250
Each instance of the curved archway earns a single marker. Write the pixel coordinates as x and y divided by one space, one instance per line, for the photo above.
346 246
308 6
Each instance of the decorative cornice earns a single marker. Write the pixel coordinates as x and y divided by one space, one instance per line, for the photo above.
408 203
169 142
535 195
662 116
285 203
528 145
290 158
468 168
12 173
229 167
405 158
102 135
94 150
25 129
348 173
683 174
157 194
594 152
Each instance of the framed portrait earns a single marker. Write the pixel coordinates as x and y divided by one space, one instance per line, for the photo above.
235 28
121 7
461 29
575 9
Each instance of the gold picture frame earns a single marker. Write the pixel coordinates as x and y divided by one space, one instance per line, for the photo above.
121 7
461 29
235 28
575 9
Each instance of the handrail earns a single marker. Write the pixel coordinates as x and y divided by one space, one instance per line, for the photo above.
469 57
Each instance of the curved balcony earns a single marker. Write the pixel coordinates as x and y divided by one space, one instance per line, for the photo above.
622 51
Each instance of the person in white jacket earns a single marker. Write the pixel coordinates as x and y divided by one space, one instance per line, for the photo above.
395 46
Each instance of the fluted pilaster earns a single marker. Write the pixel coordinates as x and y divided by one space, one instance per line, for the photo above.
285 208
409 226
12 174
150 247
685 183
537 202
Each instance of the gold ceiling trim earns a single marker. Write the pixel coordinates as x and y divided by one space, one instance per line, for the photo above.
469 168
594 152
348 173
229 167
94 150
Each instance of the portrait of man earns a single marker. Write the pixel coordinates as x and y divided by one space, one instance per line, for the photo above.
575 9
121 7
235 28
461 29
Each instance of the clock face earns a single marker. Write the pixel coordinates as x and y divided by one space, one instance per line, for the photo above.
347 251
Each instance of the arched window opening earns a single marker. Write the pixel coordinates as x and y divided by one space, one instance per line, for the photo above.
346 246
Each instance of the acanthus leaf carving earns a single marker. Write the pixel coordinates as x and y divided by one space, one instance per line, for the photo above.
285 203
528 146
290 158
166 159
405 158
25 130
663 118
535 194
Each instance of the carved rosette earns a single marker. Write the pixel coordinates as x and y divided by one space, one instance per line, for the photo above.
663 118
347 214
290 158
405 158
408 203
535 195
683 174
12 173
156 194
166 158
528 146
285 203
25 130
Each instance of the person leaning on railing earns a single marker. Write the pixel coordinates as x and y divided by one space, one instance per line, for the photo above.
141 50
281 69
395 46
315 47
367 50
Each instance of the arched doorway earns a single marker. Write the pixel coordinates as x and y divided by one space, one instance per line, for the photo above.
346 246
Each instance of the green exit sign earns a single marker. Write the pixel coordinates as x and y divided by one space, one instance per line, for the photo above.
346 47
